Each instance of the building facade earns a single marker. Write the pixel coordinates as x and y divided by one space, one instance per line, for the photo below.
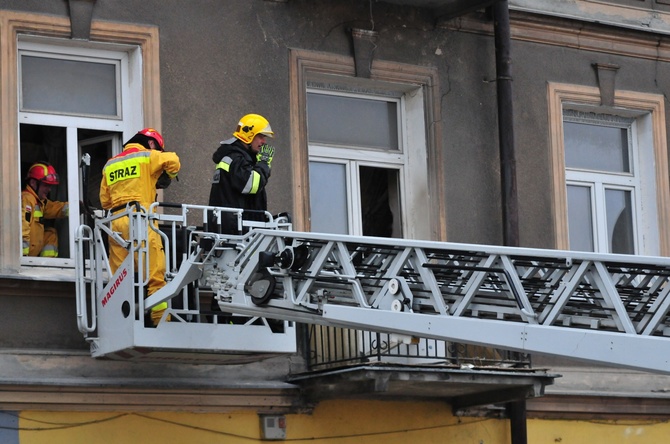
386 117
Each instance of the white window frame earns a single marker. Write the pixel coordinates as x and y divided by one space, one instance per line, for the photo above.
600 181
409 160
126 63
119 60
419 85
354 210
355 157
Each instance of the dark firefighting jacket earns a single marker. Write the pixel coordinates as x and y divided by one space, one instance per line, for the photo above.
239 182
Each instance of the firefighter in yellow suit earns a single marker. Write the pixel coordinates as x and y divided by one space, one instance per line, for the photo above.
131 177
38 241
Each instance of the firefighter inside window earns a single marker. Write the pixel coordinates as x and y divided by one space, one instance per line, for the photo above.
38 239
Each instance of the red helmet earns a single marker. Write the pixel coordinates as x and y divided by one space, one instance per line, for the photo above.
43 172
150 132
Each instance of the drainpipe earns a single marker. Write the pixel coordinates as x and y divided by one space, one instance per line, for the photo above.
506 124
516 410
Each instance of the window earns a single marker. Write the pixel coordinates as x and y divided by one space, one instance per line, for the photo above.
71 103
367 164
610 171
360 166
44 143
357 164
67 98
602 180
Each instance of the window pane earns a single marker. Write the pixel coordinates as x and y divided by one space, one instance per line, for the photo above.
619 221
41 143
68 86
596 147
352 121
580 219
380 200
328 197
99 146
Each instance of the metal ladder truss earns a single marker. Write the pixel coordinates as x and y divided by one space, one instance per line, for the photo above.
610 309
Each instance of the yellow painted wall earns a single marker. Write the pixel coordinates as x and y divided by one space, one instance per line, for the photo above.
334 422
341 422
598 432
130 428
347 422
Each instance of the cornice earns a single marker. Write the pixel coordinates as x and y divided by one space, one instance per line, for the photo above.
569 33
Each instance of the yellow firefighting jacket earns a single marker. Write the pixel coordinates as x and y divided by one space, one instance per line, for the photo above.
34 211
131 175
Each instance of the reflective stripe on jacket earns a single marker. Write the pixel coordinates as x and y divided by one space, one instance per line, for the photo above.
132 175
239 181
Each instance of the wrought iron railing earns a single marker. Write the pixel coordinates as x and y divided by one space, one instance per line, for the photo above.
332 347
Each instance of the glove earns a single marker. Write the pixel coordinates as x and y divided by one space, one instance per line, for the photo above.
163 181
265 154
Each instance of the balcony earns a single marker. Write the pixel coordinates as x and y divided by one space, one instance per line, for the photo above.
369 365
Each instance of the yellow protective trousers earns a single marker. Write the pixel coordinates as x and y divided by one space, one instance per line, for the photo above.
50 247
117 254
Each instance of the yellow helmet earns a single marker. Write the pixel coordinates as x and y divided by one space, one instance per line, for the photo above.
250 125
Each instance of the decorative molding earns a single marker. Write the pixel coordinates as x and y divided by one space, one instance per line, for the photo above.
654 104
568 33
81 14
589 407
642 16
606 81
12 24
365 44
307 65
140 398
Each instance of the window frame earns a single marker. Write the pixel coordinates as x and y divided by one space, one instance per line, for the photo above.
116 36
57 50
353 187
353 157
649 112
600 181
124 65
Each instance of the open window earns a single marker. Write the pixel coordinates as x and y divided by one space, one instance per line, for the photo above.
73 100
361 169
42 143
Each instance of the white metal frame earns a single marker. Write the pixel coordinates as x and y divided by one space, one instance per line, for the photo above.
604 308
111 307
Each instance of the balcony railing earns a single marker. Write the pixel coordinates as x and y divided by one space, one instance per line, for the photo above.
331 347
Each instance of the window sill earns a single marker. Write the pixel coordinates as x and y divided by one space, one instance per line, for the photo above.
30 281
43 273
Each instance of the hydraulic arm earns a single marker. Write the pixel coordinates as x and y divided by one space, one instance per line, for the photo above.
610 309
603 308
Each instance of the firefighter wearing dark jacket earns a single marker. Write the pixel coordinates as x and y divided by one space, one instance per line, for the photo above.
242 171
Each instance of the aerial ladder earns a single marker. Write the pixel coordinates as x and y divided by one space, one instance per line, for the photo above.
602 308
